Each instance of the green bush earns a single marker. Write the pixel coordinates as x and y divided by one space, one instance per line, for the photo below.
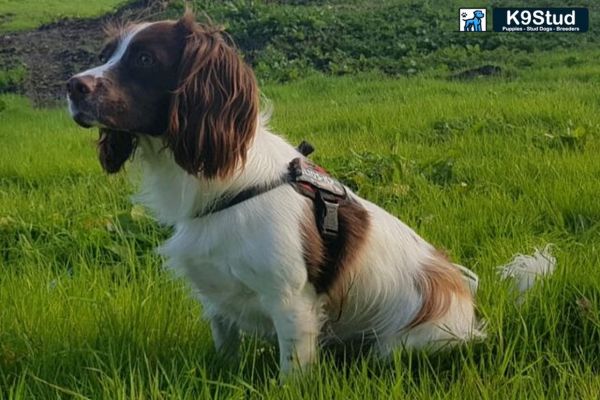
287 39
11 79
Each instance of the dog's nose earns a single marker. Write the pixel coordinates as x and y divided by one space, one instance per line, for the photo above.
80 86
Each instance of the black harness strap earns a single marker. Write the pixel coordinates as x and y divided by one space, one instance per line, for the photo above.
253 191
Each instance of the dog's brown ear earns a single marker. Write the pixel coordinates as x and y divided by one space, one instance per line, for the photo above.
214 110
114 148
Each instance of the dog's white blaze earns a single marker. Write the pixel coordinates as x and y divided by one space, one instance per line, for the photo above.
98 72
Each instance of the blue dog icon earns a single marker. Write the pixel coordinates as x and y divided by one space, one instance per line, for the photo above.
474 24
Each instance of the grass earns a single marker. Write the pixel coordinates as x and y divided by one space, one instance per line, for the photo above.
27 14
10 78
484 169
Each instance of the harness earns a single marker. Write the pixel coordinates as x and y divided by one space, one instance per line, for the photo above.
314 182
308 179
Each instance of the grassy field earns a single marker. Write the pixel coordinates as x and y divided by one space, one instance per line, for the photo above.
26 14
484 169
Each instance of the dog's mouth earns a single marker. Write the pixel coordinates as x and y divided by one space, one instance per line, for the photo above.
94 114
83 120
115 146
81 115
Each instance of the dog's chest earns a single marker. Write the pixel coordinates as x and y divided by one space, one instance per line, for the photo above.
223 292
230 264
238 260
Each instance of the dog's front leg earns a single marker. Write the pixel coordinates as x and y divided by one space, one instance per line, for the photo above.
226 336
297 323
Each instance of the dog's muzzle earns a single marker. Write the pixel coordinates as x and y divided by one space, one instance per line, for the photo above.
80 91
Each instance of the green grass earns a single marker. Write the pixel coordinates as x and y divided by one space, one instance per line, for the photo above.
26 14
484 169
10 78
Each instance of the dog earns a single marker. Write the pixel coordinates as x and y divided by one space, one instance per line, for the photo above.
474 24
263 257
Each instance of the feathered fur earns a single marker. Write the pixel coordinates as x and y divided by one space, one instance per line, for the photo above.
259 266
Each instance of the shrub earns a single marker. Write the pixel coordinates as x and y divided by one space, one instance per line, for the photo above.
287 39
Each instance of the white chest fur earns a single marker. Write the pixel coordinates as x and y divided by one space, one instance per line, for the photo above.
231 257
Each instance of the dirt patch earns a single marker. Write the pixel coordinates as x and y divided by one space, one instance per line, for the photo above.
486 70
54 52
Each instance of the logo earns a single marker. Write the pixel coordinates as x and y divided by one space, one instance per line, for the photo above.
541 19
472 19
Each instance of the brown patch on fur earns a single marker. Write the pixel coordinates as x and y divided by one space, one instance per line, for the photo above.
313 247
214 110
439 283
114 148
327 260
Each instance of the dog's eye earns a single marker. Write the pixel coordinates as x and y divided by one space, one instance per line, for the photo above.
102 58
144 59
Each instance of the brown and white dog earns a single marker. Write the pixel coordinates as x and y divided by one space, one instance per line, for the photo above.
178 92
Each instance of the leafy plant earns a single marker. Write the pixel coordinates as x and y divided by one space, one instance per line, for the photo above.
287 39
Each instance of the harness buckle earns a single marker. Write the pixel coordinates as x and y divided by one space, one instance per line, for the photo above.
327 212
326 192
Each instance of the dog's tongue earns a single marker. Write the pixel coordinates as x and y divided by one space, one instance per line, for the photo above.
114 148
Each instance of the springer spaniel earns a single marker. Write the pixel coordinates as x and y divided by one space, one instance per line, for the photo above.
248 241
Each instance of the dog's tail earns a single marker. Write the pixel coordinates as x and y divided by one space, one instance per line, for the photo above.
523 270
526 270
448 317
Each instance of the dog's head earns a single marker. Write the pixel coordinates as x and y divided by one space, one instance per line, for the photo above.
179 80
478 14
